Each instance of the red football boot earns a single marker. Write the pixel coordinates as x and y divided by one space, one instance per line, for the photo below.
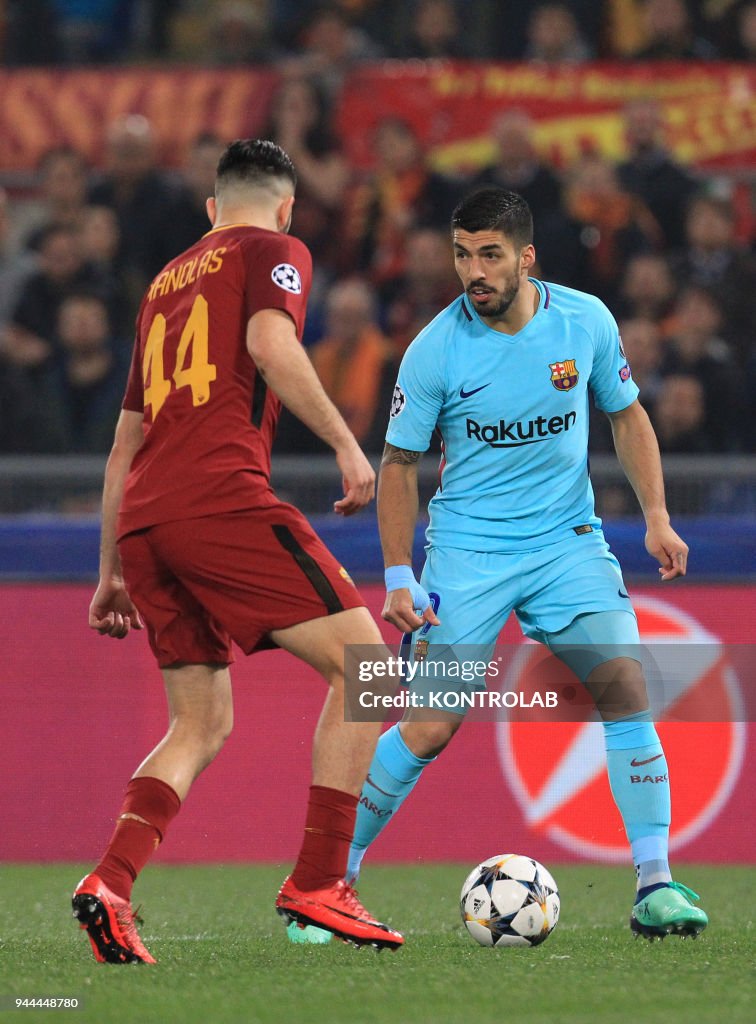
109 922
338 910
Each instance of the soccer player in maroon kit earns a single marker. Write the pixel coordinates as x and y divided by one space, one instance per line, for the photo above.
196 545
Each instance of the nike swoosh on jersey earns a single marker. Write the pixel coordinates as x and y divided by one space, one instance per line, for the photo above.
467 394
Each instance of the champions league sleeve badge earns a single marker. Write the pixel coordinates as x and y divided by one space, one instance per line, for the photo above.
287 277
398 401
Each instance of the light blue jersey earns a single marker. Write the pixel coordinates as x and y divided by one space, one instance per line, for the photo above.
512 411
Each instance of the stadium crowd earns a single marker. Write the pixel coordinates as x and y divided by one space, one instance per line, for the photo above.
324 33
661 244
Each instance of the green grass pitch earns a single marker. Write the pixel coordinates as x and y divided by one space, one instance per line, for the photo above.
223 954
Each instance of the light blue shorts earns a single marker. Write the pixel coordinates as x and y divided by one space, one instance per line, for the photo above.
553 592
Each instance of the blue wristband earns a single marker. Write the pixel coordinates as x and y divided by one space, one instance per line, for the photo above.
399 576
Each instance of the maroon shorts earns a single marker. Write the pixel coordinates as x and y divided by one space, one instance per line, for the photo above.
201 583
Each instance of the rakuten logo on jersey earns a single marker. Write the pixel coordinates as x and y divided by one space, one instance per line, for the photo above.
521 432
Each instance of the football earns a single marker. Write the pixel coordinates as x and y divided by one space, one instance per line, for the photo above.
510 900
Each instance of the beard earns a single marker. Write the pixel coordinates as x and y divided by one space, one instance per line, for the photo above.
498 306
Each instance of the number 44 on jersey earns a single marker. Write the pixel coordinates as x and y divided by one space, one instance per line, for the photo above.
198 375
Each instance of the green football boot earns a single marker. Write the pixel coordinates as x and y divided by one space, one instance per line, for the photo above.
668 910
308 934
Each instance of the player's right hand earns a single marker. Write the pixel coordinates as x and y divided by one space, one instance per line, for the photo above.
407 603
111 611
399 610
358 480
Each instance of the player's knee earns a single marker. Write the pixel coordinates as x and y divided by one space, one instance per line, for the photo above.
428 739
218 730
619 687
205 735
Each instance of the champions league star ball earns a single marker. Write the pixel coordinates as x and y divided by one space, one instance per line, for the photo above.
510 901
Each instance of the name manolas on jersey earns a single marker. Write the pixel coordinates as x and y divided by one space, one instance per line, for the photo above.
512 411
209 418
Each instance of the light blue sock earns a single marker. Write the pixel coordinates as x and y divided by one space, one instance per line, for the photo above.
390 780
639 779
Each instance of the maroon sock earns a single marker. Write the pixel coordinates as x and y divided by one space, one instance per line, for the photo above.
133 842
329 828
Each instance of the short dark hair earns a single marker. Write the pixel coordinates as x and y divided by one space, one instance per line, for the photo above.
496 209
255 162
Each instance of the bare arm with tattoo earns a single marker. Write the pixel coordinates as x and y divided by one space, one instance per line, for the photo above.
397 516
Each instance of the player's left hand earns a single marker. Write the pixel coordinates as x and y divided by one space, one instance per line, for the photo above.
111 611
669 549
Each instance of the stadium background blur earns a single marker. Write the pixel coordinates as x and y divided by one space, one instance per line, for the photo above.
629 126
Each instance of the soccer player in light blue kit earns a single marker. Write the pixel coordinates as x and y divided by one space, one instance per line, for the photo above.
503 373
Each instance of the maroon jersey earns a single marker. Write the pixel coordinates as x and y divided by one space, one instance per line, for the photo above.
209 419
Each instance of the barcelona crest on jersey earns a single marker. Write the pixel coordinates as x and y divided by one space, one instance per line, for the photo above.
564 375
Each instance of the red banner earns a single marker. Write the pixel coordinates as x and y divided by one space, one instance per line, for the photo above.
42 109
709 109
81 711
